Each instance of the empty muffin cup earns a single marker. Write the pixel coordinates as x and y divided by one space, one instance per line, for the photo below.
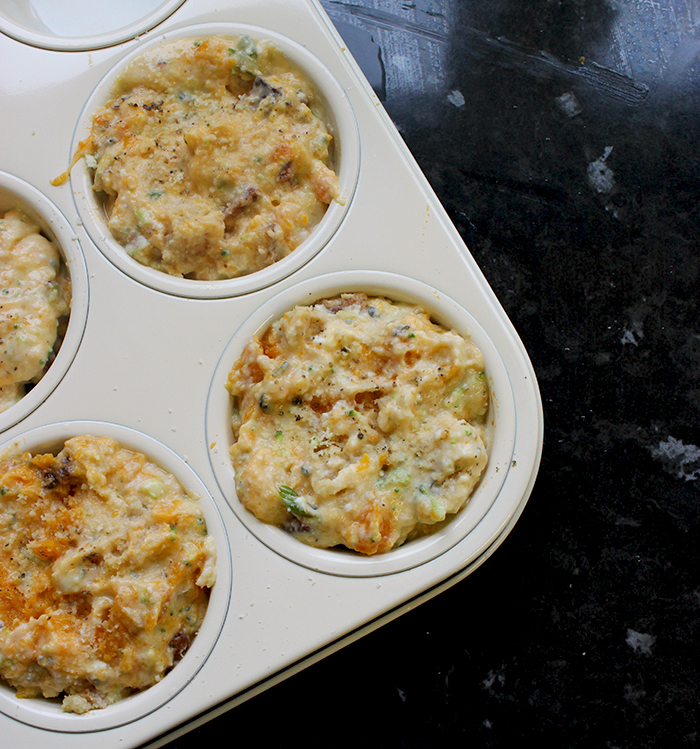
73 25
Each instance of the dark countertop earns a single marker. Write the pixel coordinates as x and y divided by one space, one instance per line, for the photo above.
563 138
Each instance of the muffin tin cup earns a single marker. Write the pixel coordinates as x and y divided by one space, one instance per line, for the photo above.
16 193
443 310
44 23
346 149
47 713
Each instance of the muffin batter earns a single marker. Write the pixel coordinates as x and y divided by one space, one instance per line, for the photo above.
35 296
105 570
359 422
212 158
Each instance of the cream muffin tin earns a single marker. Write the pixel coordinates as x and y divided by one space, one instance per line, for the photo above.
145 357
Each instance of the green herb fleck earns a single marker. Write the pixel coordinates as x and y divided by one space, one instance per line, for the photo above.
283 367
247 46
290 499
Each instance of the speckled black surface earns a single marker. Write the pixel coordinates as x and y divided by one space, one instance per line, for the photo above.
563 139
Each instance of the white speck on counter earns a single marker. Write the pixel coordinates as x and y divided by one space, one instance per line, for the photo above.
639 641
682 459
630 336
569 104
456 97
492 679
600 176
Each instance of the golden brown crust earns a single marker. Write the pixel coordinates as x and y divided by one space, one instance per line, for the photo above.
104 572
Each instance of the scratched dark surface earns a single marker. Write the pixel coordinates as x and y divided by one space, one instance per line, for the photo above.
563 139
